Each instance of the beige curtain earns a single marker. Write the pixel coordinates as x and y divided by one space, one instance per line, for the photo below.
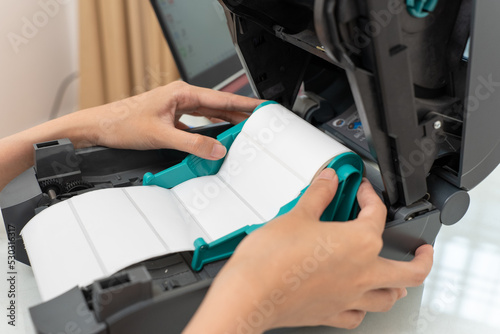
122 51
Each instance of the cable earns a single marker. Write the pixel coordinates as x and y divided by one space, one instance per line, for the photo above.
61 91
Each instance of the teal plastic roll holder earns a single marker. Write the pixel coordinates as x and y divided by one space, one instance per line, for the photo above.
348 166
192 166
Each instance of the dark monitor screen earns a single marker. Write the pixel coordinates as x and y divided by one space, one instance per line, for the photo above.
197 33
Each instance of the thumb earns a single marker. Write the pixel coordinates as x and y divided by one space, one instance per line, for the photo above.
202 146
320 193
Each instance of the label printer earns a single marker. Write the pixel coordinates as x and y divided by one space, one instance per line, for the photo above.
411 86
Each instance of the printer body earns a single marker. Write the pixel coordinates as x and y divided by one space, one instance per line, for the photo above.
410 86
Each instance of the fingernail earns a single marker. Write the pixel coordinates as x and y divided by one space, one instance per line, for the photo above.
405 293
218 151
327 174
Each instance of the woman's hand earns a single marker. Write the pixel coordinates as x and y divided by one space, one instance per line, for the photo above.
146 121
298 271
151 120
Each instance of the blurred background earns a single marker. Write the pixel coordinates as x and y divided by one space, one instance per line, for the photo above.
59 56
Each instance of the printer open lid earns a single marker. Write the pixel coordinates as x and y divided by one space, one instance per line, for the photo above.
427 105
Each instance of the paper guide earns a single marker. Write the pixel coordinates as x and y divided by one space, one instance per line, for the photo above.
96 234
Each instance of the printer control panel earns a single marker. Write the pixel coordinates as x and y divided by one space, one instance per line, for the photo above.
348 128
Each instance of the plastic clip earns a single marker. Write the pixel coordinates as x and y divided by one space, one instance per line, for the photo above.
192 166
343 207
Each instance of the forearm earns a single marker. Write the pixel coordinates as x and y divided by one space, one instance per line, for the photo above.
17 153
145 121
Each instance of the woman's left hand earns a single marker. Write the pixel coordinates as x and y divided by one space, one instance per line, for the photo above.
151 120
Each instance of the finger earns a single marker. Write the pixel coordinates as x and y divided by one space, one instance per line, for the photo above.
202 146
212 119
216 120
196 97
347 319
233 117
319 194
380 300
408 274
373 209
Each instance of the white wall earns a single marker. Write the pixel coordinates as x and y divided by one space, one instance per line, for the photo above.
38 50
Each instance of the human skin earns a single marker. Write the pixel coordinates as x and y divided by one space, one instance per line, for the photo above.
298 271
146 121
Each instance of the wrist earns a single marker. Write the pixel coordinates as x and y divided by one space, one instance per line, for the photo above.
81 127
237 302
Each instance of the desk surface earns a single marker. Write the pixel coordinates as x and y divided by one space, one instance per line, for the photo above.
461 295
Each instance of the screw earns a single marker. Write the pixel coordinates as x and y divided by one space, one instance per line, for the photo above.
52 194
438 125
